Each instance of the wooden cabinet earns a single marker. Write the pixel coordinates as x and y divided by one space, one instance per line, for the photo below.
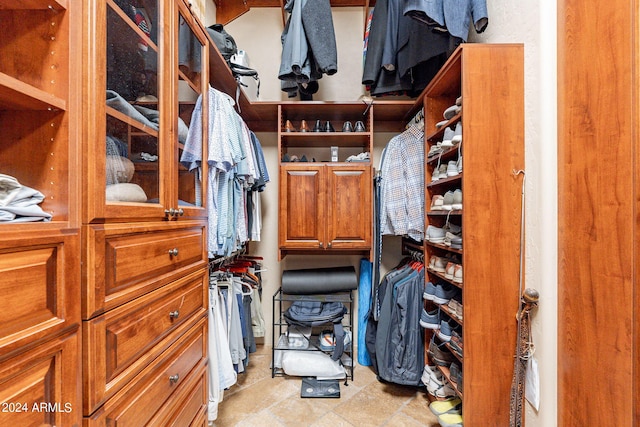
325 206
39 237
489 78
144 257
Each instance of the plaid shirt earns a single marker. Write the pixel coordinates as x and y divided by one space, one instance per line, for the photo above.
402 185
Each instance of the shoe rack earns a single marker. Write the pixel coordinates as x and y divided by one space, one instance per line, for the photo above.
487 81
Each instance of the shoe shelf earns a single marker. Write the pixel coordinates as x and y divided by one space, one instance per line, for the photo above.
281 302
474 74
445 247
322 139
442 277
447 375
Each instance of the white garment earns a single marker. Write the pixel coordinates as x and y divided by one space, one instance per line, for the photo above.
221 372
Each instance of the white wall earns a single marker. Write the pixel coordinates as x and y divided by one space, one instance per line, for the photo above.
532 22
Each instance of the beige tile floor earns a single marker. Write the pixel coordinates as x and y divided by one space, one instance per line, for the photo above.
259 400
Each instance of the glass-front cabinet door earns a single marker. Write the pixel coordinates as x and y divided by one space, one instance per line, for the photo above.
191 77
135 167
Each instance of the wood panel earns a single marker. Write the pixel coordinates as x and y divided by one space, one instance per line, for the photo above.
41 387
139 401
127 338
349 217
302 206
597 140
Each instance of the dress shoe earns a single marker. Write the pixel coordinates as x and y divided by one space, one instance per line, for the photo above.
288 127
303 126
360 127
347 127
318 127
328 127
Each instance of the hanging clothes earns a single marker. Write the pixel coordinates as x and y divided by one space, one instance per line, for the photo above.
308 46
454 16
395 340
402 185
236 167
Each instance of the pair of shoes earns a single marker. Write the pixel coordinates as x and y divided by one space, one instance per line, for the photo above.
449 406
452 200
456 342
327 340
430 319
455 307
439 353
452 111
327 127
449 269
436 202
436 385
288 126
455 373
439 172
437 264
434 234
444 292
435 149
452 168
449 236
450 420
446 329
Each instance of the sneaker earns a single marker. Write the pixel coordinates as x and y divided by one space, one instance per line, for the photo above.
429 289
449 406
327 340
450 112
439 354
444 293
447 201
435 149
430 373
448 237
455 372
456 202
436 385
457 273
436 202
444 332
454 307
441 123
450 420
447 137
455 242
448 270
438 264
434 234
456 342
430 319
457 134
452 168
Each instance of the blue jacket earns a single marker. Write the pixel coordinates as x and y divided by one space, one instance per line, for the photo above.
454 15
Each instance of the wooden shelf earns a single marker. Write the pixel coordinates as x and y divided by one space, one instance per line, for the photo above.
17 95
447 180
34 4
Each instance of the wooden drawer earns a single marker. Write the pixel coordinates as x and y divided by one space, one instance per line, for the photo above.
141 399
125 261
188 406
123 341
41 387
39 284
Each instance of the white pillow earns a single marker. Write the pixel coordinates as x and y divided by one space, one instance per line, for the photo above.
125 192
311 364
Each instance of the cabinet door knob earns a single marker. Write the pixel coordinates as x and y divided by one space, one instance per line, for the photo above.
174 314
320 245
170 212
329 245
173 252
179 212
174 378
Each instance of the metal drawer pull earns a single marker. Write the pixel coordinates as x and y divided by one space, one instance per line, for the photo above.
174 378
174 314
173 252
